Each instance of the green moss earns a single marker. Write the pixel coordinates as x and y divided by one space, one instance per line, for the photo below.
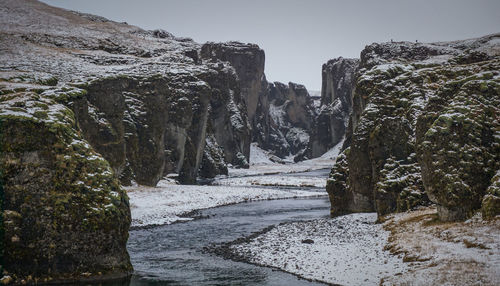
41 114
52 81
73 201
490 207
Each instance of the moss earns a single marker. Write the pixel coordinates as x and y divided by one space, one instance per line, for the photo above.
52 81
68 183
337 185
490 206
41 114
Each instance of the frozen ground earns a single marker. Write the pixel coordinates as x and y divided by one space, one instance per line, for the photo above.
346 250
273 180
166 203
260 164
411 248
445 253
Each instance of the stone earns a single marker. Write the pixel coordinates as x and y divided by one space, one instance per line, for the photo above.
422 129
64 212
338 78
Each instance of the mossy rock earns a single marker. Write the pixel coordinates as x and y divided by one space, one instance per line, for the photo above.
64 212
337 186
490 206
460 151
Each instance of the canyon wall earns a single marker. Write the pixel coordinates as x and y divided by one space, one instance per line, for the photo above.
338 76
423 128
63 211
88 104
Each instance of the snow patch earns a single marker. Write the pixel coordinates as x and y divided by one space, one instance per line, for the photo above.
347 250
166 204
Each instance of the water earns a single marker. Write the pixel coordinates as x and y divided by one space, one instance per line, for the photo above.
172 254
314 173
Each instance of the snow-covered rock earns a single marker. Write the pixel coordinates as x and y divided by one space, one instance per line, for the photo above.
330 124
423 124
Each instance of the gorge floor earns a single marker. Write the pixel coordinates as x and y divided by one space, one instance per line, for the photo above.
173 254
168 253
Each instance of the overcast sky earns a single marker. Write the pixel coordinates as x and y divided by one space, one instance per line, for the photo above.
299 36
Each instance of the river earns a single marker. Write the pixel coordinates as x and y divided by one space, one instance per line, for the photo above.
173 254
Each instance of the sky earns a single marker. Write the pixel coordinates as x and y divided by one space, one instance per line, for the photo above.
299 36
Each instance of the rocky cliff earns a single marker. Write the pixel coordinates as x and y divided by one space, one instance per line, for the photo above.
150 96
280 117
89 103
338 76
64 215
284 120
424 126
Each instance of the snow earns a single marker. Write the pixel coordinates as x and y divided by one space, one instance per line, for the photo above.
258 156
273 180
167 203
265 167
264 172
346 250
277 114
445 253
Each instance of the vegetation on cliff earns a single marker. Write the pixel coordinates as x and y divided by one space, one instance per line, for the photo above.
64 212
425 127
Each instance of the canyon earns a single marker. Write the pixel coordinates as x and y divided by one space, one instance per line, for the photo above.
90 107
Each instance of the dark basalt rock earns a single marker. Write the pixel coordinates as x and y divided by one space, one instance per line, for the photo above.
337 186
286 115
248 61
338 77
141 110
228 117
213 160
63 211
422 128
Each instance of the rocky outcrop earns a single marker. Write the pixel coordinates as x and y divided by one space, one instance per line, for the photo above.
86 102
150 95
248 61
280 116
228 117
338 78
424 126
64 215
285 120
213 162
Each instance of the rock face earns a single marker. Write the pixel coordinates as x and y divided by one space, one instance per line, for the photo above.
248 61
88 103
280 116
63 211
150 95
284 120
338 77
233 88
424 126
